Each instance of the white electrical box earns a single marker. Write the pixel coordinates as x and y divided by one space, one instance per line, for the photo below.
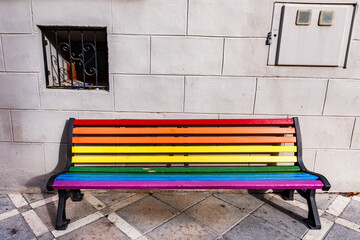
310 34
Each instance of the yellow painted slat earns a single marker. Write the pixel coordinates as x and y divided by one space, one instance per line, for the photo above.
186 149
182 159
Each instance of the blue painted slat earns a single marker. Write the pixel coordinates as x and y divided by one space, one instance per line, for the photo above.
178 177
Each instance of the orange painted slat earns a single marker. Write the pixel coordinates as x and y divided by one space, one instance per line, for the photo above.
227 130
211 140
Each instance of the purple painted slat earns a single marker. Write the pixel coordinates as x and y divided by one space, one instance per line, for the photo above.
314 184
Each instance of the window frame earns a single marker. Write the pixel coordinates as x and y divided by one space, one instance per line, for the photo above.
71 61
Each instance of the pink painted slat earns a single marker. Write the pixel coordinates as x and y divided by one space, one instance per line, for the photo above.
314 184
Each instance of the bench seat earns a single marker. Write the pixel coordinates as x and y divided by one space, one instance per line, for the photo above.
186 178
186 154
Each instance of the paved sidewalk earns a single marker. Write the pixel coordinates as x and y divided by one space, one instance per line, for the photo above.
177 215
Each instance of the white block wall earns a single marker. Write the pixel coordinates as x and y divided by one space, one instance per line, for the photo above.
170 59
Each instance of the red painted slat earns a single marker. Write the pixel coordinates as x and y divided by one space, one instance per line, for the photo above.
188 122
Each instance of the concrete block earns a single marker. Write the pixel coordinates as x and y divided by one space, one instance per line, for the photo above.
19 91
339 166
21 53
343 98
326 132
356 30
77 99
245 57
150 17
238 116
5 126
40 126
355 144
21 180
186 55
96 115
55 157
15 16
309 158
219 95
353 64
149 93
129 54
22 156
138 115
120 115
290 96
72 13
2 61
189 116
230 17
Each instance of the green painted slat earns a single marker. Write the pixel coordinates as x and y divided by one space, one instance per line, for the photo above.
188 170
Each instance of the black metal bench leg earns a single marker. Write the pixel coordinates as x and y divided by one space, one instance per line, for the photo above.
61 221
288 194
313 220
76 195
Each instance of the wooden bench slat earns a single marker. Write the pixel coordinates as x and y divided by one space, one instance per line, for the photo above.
189 122
182 159
184 149
187 170
312 184
170 140
143 131
185 177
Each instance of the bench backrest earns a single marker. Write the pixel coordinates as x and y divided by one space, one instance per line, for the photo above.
183 142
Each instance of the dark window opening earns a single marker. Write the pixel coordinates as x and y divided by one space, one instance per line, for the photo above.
75 58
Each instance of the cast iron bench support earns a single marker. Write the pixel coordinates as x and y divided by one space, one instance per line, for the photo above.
76 196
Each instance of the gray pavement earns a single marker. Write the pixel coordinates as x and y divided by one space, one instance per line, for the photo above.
177 215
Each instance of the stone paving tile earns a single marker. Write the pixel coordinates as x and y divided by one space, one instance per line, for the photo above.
245 202
352 212
275 219
329 216
46 236
146 213
339 232
100 229
284 216
24 208
180 200
15 228
106 211
36 197
216 214
322 200
5 204
182 227
109 198
254 228
74 211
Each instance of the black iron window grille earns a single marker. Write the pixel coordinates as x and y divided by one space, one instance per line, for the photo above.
75 58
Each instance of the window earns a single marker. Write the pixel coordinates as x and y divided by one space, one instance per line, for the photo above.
75 58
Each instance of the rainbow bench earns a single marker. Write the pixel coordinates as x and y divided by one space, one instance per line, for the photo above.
192 154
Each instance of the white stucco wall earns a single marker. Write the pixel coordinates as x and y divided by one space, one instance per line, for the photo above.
170 59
